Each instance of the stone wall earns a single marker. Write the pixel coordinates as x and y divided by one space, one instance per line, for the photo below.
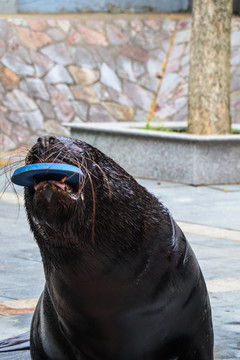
58 69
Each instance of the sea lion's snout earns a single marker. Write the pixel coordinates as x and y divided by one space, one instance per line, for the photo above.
48 191
53 197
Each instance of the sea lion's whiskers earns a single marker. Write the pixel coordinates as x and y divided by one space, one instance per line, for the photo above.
99 167
81 188
7 171
94 207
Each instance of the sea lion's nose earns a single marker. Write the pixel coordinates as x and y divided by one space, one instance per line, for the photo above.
46 141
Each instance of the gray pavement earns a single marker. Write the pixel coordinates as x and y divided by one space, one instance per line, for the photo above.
212 206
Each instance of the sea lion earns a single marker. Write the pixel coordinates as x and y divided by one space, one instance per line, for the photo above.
122 282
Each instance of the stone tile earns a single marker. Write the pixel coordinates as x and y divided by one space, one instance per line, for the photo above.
185 71
51 22
180 91
119 97
4 28
5 125
36 89
18 21
95 24
91 36
58 74
56 34
139 95
141 116
134 52
120 112
17 65
148 39
182 36
137 24
42 63
121 23
165 43
74 38
169 83
109 78
234 83
117 36
168 25
173 66
185 60
177 51
138 68
53 127
64 25
81 109
17 100
166 109
2 47
58 53
36 24
64 89
105 55
15 118
8 78
153 23
98 114
235 98
185 23
159 54
85 93
181 115
16 49
235 60
125 68
34 119
84 75
33 39
83 58
20 135
46 108
23 86
235 39
6 143
102 91
149 82
64 111
154 66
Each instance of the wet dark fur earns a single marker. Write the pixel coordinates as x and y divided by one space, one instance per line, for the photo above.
122 282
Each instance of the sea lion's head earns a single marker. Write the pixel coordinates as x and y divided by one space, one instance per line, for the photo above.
93 205
107 210
54 202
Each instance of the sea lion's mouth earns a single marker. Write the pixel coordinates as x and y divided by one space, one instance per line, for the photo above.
60 184
71 190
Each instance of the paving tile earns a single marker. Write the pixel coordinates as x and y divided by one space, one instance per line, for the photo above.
14 325
16 355
201 205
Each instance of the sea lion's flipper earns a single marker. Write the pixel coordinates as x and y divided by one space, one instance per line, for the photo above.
16 343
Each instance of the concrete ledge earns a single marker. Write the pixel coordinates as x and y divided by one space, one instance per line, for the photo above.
185 158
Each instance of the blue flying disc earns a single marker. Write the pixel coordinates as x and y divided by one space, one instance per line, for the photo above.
24 176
